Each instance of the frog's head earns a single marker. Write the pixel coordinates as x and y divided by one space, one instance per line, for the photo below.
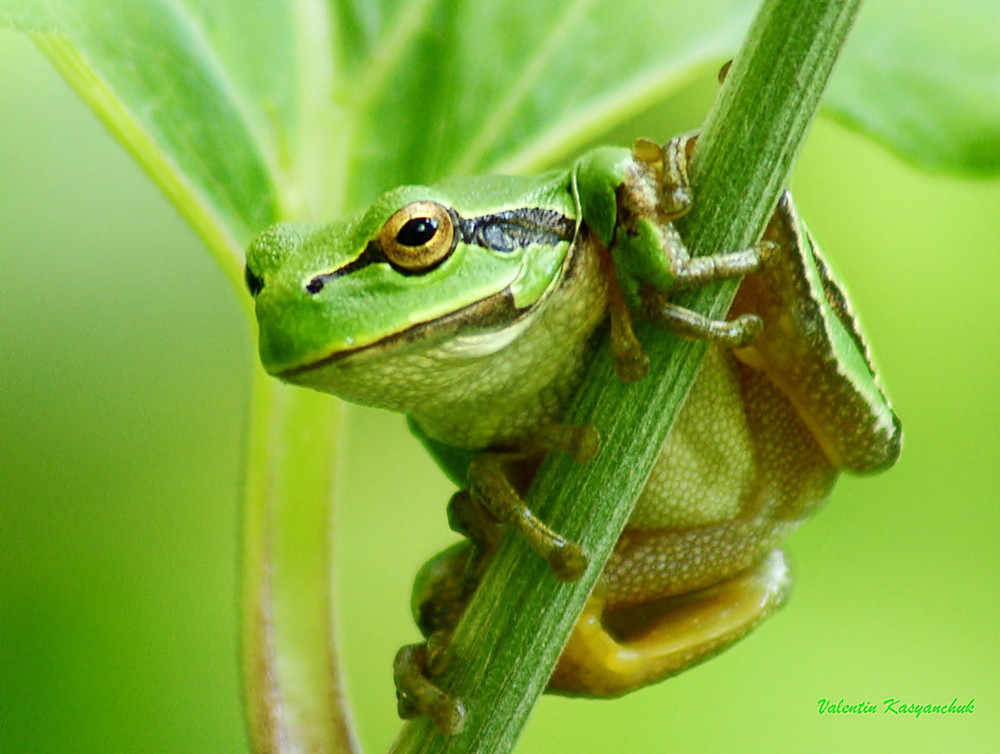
417 265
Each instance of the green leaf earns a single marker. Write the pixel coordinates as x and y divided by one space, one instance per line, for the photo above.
246 113
200 109
923 78
514 87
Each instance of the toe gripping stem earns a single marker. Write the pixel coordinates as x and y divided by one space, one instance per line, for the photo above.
490 487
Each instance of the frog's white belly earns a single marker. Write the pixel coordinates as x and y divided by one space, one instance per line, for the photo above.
738 471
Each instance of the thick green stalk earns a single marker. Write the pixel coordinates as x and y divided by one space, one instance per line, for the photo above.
292 686
510 636
292 681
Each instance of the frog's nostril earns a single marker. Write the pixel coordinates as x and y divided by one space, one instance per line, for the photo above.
254 283
315 285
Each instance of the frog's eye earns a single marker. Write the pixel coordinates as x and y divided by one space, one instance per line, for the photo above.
418 237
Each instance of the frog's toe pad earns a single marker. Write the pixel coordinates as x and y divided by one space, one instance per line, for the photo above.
746 329
586 443
567 560
631 366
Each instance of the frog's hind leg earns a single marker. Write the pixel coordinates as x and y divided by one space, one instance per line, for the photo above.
812 349
441 591
604 657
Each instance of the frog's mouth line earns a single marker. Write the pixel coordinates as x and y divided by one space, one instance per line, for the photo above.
497 310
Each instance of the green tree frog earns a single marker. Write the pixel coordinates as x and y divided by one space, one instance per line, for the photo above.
473 305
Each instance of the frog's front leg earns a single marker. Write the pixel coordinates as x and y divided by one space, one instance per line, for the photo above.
489 483
687 323
446 583
630 203
646 247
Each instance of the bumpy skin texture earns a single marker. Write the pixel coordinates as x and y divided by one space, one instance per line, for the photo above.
485 349
482 388
755 450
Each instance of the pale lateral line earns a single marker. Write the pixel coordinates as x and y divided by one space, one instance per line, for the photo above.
575 128
530 73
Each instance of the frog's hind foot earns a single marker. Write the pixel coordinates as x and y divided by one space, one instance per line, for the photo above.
441 591
417 695
609 654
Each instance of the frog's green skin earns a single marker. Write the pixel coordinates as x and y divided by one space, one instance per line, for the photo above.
462 348
487 345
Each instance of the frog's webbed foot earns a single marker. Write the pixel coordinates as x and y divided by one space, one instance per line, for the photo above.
416 694
658 186
606 655
441 591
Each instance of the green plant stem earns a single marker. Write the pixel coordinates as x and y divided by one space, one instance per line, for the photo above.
510 636
292 683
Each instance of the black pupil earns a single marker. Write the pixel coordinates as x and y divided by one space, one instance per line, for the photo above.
417 231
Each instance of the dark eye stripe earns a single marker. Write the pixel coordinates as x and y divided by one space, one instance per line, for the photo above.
513 229
504 231
371 255
254 283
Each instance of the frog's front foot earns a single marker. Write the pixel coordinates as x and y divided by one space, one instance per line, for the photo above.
490 487
416 694
687 323
567 560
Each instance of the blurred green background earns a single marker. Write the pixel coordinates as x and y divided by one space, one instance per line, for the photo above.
124 380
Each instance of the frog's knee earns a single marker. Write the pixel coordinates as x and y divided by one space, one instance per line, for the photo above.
441 589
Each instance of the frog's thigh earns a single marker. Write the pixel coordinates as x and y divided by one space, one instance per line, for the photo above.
699 625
